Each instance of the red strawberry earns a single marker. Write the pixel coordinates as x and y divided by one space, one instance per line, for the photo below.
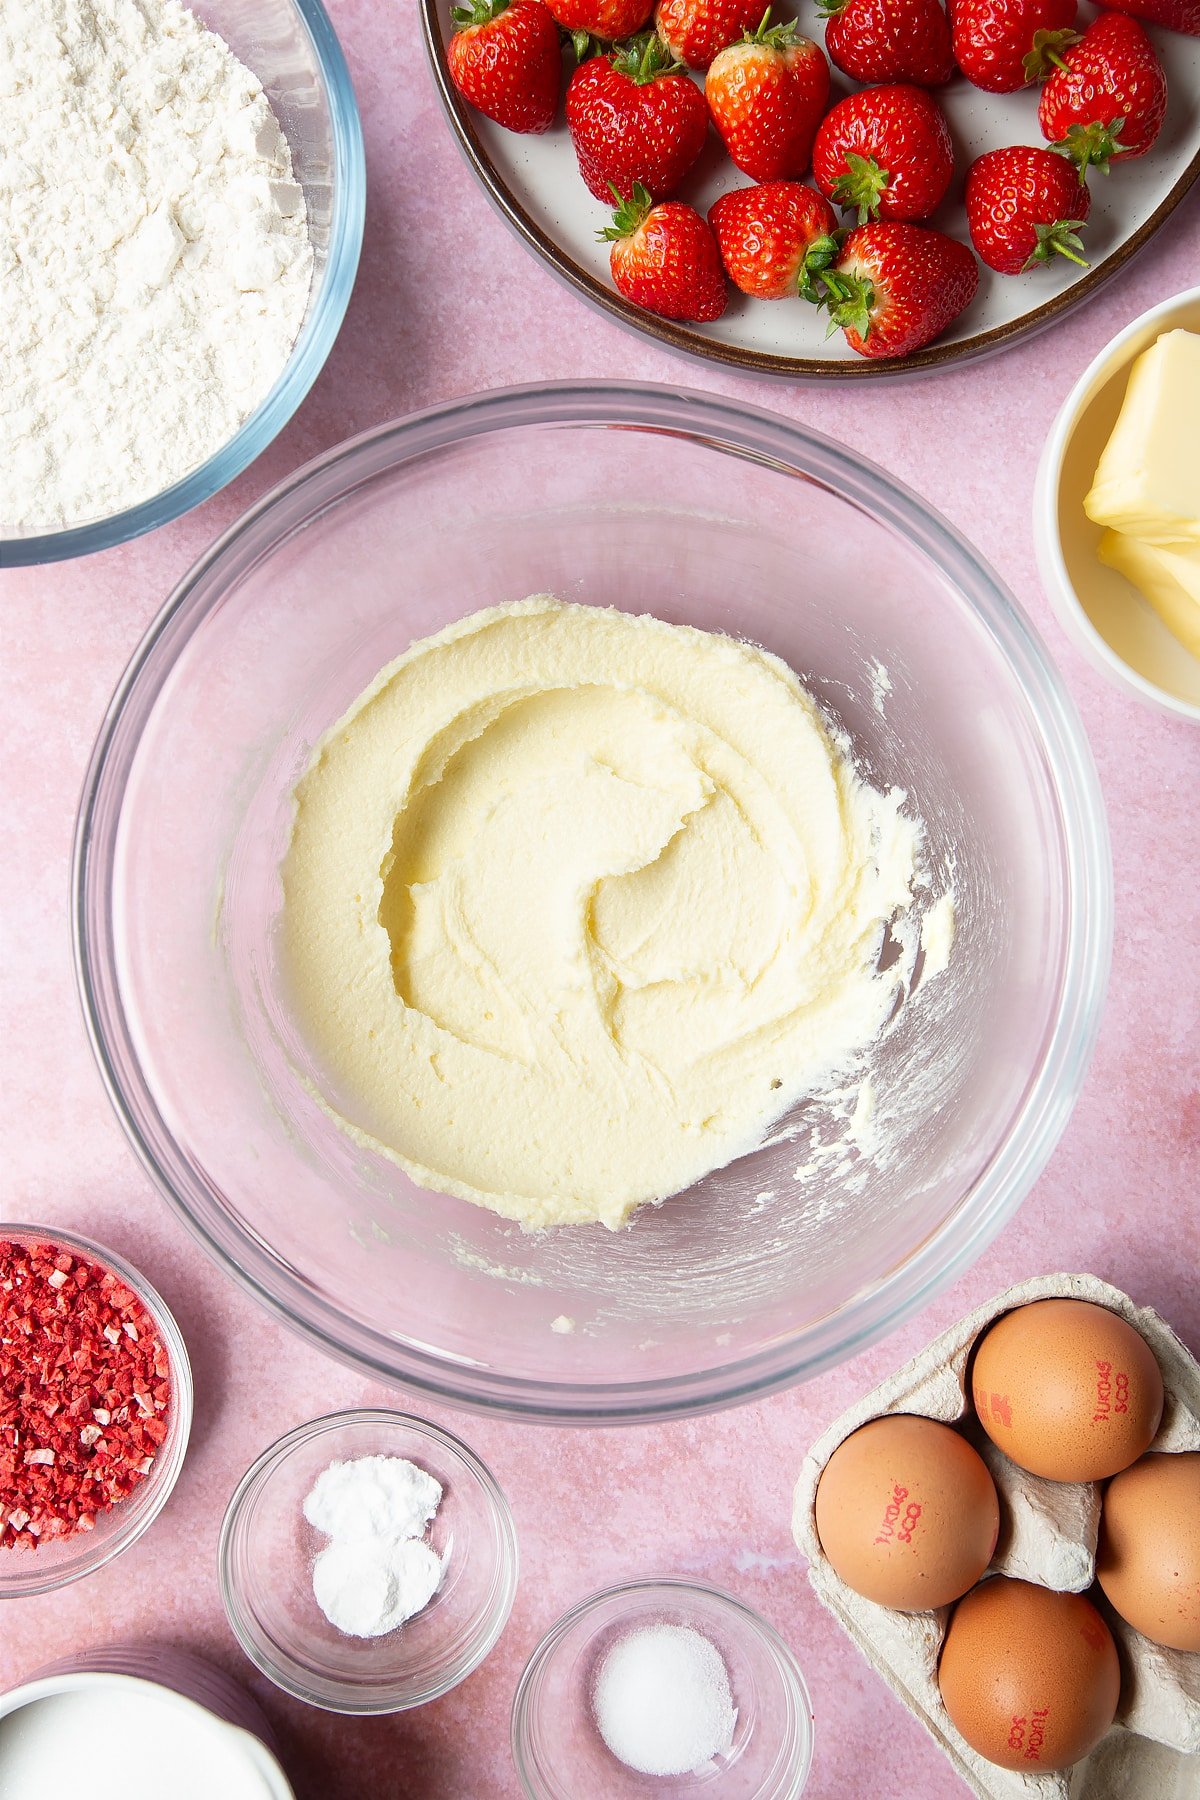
664 258
1024 207
695 30
889 40
886 152
1176 15
635 116
766 96
895 287
992 38
610 19
1106 96
774 237
506 59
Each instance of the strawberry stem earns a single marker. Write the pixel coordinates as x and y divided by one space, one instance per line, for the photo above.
644 59
1092 146
1060 239
862 186
849 299
775 37
1046 53
628 215
819 256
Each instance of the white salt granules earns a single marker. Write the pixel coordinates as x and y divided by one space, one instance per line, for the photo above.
155 261
662 1701
376 1571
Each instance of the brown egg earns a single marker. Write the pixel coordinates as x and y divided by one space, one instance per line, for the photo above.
1030 1677
1149 1558
1067 1390
907 1513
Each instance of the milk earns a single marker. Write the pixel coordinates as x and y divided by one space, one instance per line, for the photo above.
110 1737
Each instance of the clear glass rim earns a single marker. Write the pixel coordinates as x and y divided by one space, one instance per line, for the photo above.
143 1506
331 1695
670 1590
755 434
303 365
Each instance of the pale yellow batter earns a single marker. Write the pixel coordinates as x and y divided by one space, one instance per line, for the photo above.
577 904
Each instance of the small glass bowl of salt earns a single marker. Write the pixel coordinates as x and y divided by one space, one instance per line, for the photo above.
664 1688
368 1562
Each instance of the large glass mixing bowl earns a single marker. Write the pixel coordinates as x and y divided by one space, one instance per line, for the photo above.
293 49
700 510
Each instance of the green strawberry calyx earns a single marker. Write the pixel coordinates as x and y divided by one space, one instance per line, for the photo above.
1092 146
644 59
1047 53
862 186
821 254
585 46
477 12
775 37
829 9
848 298
629 215
1059 239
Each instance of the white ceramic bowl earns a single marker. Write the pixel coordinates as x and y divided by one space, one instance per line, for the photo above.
210 1728
1112 624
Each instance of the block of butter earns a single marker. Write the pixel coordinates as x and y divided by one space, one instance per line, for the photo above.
1147 482
1169 578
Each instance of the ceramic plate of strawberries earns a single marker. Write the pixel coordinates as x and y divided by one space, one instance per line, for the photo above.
871 186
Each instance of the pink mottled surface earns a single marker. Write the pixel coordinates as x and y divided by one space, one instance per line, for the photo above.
447 302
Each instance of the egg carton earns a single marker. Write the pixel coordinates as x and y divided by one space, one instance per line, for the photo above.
1048 1534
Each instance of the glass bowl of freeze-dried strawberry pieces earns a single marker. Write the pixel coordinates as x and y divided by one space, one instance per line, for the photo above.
95 1407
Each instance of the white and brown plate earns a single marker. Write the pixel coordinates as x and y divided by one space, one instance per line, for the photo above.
535 184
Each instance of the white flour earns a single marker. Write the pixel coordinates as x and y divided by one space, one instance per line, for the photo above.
154 253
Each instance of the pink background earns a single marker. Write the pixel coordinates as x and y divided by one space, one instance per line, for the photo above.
447 303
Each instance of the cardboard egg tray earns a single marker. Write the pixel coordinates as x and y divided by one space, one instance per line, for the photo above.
1048 1533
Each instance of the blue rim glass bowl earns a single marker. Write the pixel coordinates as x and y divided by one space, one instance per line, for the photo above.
293 49
707 512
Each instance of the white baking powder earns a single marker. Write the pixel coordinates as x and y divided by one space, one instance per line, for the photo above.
376 1571
155 261
662 1701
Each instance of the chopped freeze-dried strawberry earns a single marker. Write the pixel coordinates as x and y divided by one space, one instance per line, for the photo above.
85 1392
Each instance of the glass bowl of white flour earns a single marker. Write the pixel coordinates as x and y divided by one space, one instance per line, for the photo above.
368 1562
183 209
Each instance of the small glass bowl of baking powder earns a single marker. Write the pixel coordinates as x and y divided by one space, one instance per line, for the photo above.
558 1746
268 1550
56 1561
